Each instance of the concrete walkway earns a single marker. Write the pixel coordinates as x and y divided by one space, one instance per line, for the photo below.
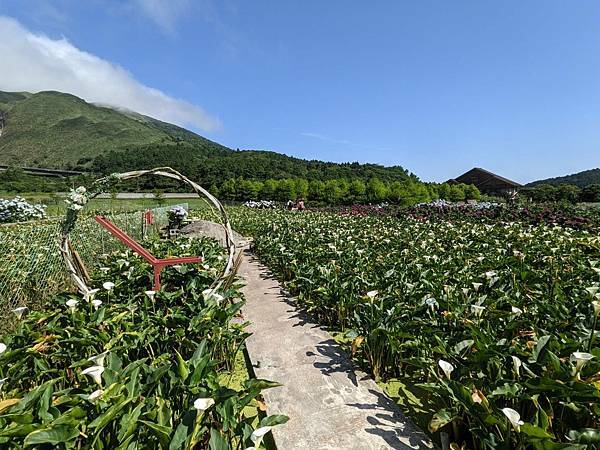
331 405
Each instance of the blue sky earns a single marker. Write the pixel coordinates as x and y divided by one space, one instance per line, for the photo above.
435 86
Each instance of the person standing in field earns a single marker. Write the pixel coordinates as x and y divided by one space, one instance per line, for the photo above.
300 204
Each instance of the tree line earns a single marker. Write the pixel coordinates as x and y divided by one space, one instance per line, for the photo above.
342 191
339 191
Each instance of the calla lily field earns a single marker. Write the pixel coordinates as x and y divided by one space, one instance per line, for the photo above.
125 367
481 328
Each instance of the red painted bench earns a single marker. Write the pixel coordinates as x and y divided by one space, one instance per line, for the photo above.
157 264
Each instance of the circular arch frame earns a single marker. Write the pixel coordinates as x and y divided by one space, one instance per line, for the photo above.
100 185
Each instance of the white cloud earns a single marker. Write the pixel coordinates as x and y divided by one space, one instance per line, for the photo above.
33 63
165 13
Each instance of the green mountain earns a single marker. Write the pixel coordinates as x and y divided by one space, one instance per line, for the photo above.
56 130
581 179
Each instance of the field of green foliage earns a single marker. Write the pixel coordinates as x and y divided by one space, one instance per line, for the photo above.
130 368
480 328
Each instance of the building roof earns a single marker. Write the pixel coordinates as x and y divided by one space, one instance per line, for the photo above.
485 180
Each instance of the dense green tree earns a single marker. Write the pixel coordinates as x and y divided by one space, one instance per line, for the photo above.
377 191
456 193
357 191
591 193
471 192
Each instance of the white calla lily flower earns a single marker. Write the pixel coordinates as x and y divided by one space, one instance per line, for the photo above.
150 294
95 396
514 418
592 290
477 310
89 295
516 311
20 311
98 360
596 306
202 404
2 381
432 303
446 367
580 359
95 372
258 434
2 348
372 294
96 303
72 304
108 285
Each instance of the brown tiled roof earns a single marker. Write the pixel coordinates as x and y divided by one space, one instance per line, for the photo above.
485 180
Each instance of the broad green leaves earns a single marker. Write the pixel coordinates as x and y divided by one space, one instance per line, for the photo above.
505 302
126 375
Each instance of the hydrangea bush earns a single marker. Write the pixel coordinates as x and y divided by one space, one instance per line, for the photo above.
19 210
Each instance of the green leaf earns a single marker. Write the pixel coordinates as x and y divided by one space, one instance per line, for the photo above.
275 419
44 404
540 346
257 383
162 433
129 422
102 420
439 419
585 436
179 437
535 432
51 435
182 367
18 430
507 390
217 441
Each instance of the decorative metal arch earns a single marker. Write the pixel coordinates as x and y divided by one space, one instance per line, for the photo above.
101 185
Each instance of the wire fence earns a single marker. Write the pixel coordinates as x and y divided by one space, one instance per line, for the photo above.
31 268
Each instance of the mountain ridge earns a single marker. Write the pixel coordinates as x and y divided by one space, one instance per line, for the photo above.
58 130
580 179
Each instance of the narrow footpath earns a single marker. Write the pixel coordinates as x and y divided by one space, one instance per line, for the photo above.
331 404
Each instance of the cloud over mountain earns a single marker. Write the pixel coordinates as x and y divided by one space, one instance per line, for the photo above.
33 62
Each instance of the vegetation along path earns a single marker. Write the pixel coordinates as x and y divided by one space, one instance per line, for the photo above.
331 405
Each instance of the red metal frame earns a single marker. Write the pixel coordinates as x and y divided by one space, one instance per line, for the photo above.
157 264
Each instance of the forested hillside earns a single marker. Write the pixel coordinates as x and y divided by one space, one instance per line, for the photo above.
249 164
580 179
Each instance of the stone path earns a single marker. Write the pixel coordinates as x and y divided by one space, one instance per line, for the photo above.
331 405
